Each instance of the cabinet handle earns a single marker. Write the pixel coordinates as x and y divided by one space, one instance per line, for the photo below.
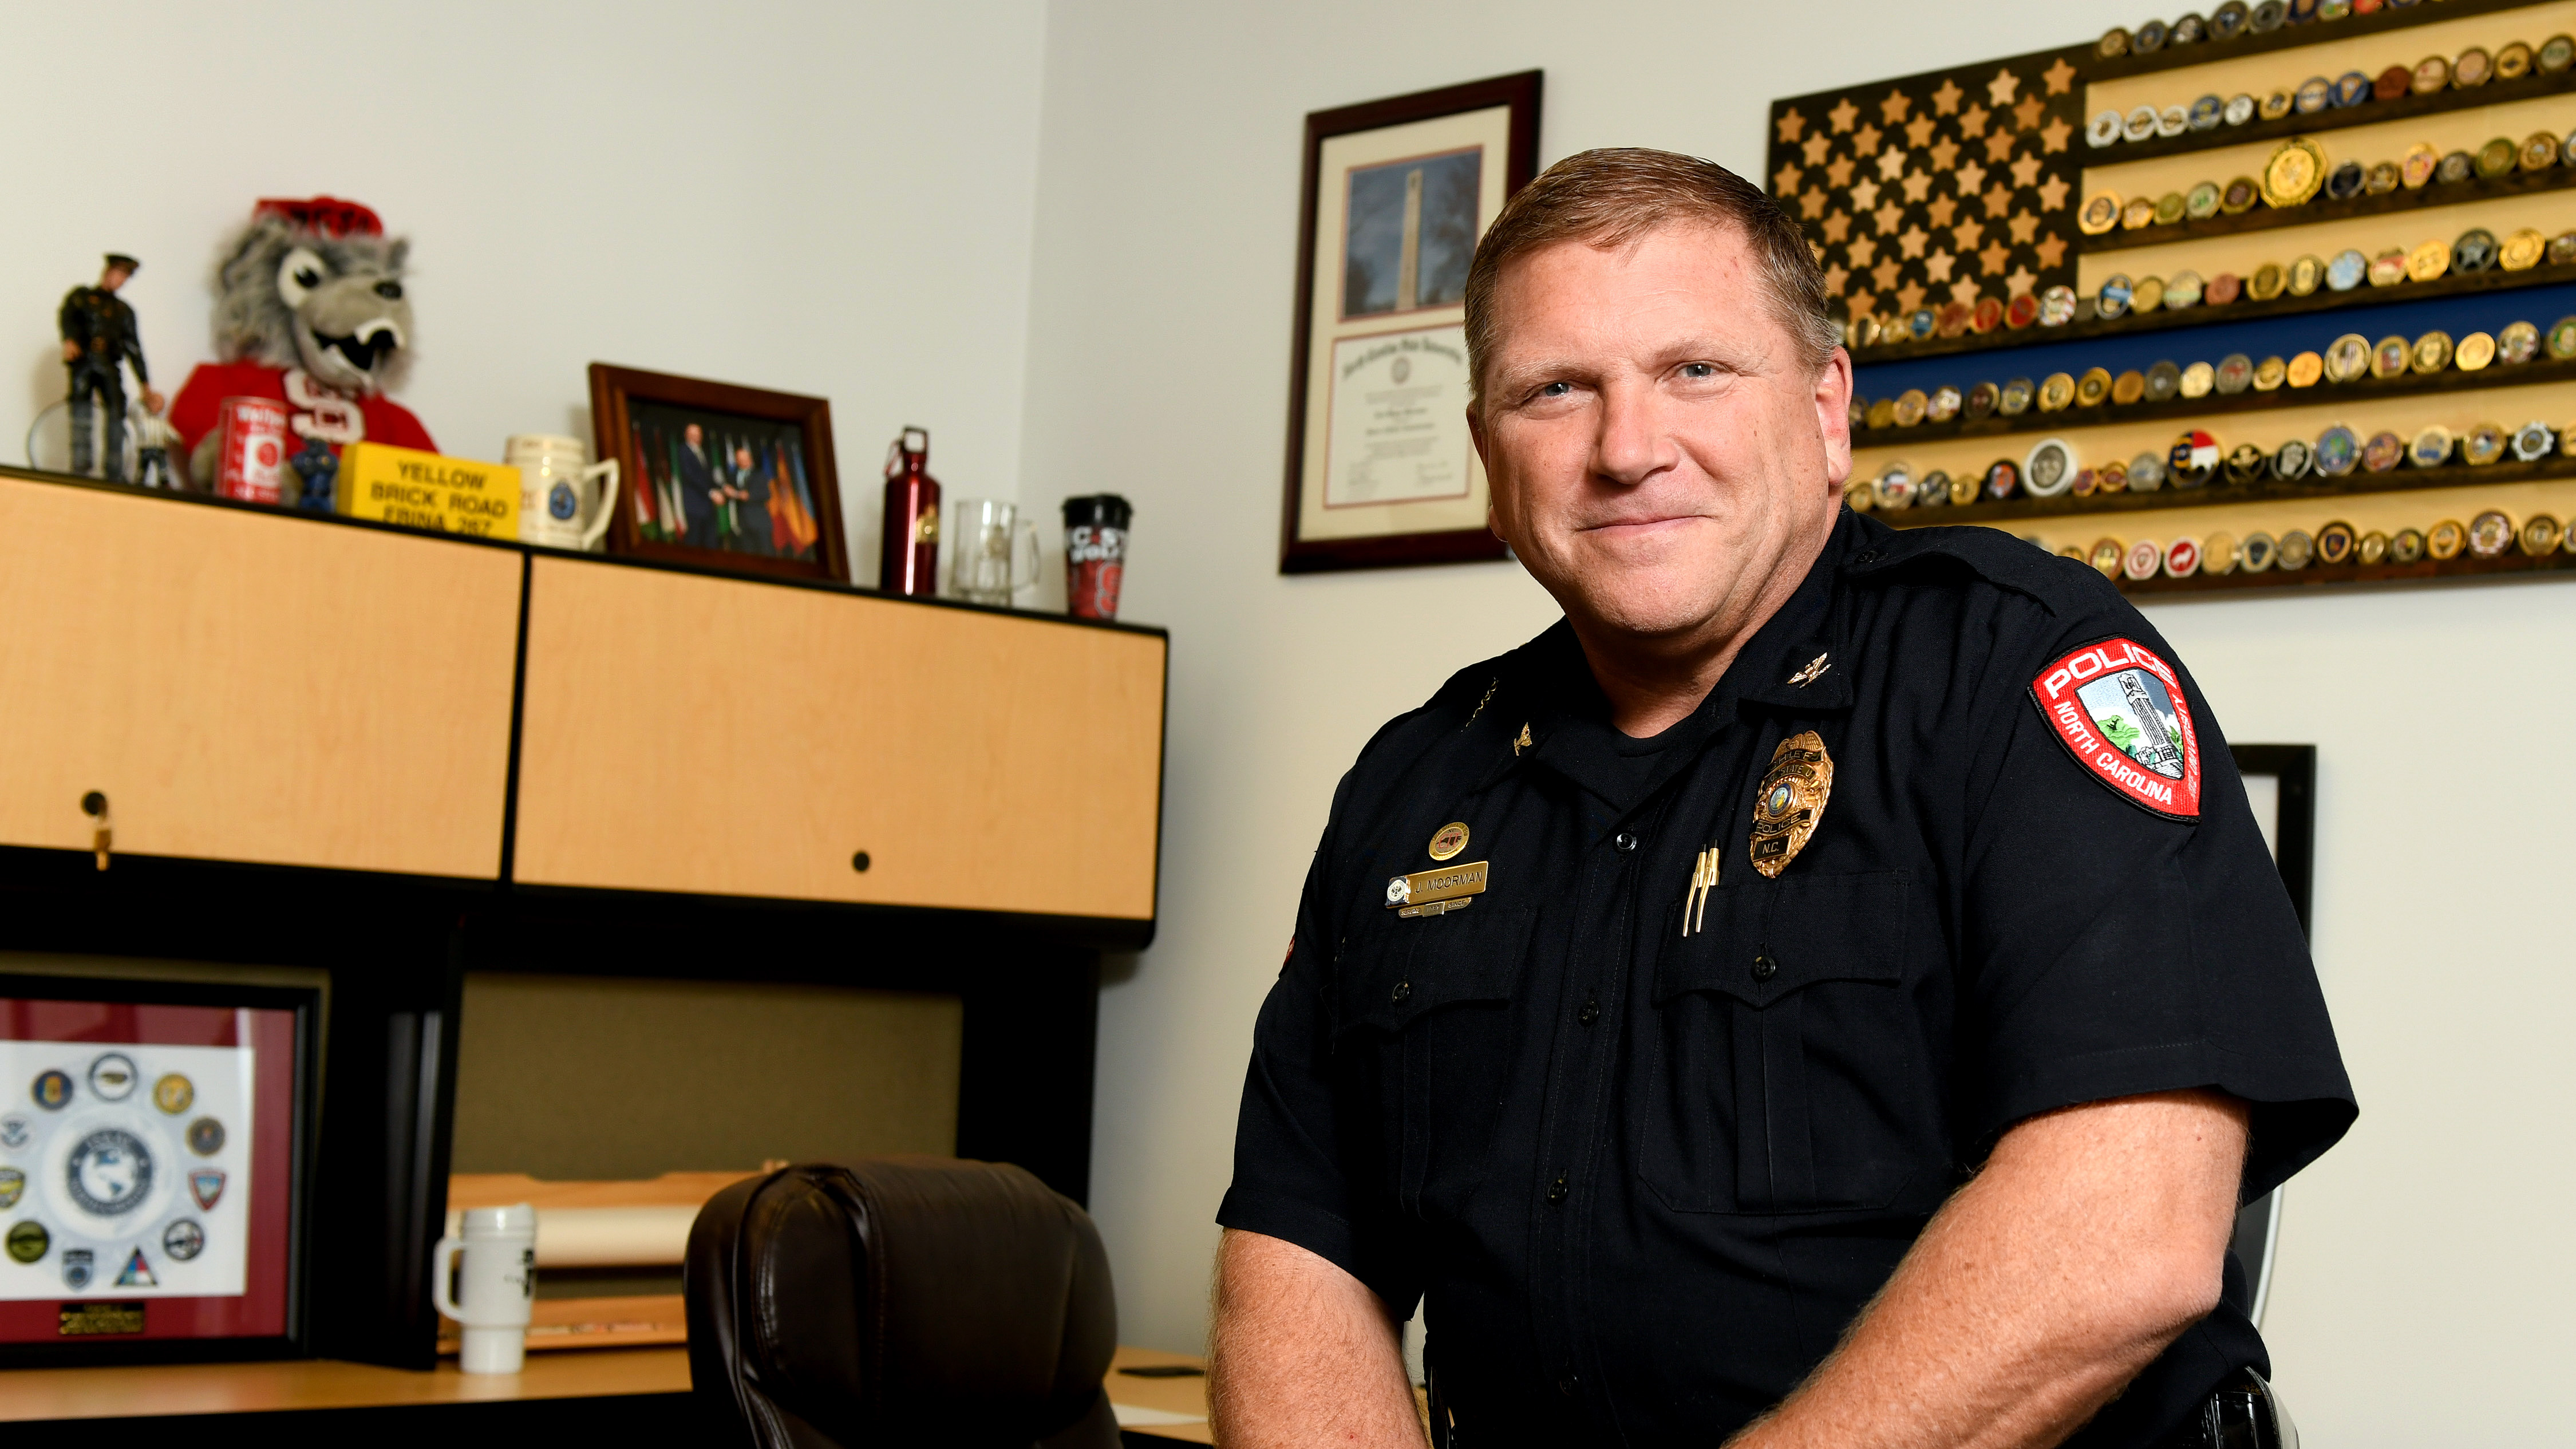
94 805
858 862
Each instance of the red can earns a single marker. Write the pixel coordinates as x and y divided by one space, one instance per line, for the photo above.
251 460
1095 554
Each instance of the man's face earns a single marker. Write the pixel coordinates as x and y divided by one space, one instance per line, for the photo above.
1658 450
113 278
693 434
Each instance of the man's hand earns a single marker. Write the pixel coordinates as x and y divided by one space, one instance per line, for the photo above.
2091 1239
1304 1354
71 350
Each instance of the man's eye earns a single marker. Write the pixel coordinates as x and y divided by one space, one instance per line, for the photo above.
1555 389
1699 370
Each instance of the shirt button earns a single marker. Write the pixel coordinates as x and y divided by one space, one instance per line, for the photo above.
1625 841
1867 556
1402 990
1764 968
1589 1013
1565 1384
1556 1190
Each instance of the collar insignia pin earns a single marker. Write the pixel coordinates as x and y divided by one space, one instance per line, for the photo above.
1815 670
1792 800
1523 743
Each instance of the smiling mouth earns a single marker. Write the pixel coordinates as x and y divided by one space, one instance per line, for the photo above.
1639 523
364 347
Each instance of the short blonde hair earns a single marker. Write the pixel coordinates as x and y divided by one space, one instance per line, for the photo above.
1612 196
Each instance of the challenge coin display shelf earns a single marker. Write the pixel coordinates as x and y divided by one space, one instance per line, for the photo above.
1944 208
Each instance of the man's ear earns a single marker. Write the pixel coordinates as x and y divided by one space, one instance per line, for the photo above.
1833 417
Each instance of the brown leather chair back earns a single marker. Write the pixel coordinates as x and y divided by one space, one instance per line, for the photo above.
900 1301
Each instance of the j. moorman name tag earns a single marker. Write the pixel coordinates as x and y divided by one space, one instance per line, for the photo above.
1436 892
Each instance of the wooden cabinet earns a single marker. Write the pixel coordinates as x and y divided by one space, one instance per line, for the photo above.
251 686
698 734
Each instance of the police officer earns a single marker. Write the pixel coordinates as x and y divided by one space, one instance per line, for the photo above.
1828 989
99 338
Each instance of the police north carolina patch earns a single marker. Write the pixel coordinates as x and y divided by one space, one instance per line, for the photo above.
2119 711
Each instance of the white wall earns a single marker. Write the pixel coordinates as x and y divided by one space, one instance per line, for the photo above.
830 199
2419 1265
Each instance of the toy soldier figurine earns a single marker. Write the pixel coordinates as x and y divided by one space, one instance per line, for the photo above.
98 339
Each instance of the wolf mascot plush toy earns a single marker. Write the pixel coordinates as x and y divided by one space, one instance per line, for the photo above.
309 311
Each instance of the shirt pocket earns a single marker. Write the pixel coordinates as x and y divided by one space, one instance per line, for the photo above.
1784 1067
1424 1022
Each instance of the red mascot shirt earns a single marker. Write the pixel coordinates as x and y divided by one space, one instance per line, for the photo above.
317 411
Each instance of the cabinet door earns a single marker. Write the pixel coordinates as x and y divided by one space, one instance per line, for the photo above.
687 733
250 686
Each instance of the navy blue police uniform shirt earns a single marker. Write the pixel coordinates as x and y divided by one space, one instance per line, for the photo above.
1647 1179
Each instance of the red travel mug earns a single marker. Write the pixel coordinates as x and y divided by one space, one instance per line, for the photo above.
1095 554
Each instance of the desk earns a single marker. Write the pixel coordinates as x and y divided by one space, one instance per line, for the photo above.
1187 1396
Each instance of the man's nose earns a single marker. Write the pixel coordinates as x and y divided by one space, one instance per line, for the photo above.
1633 444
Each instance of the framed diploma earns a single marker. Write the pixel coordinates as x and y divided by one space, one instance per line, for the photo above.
1381 471
152 1150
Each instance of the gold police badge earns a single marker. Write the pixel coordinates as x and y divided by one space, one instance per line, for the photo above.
1792 800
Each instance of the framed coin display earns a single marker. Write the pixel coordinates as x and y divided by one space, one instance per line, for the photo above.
154 1141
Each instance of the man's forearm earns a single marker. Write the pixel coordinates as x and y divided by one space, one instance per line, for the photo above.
2091 1239
1304 1354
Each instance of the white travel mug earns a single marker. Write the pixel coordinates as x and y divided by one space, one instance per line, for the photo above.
497 1285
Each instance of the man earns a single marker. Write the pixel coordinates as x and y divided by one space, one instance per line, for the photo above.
702 494
99 339
1761 1005
750 492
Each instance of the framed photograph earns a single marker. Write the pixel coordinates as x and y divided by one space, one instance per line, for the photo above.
720 476
154 1144
1381 471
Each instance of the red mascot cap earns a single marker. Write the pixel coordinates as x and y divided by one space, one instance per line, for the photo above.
328 215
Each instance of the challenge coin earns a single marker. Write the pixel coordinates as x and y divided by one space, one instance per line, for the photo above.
2305 369
1952 319
1862 332
2306 274
2229 20
2146 473
1963 489
2562 338
2417 168
2484 444
2163 381
2372 548
2431 353
2246 464
28 1240
2197 380
2169 208
2391 83
2293 460
2491 533
2474 352
2182 290
1919 324
2497 158
2382 452
2388 269
2057 306
2049 469
2192 459
2295 171
2218 554
2239 196
2271 372
2431 448
1891 490
2471 69
2201 202
2455 167
2113 478
2337 450
2432 73
2554 54
1944 405
2347 358
2256 552
2522 251
2266 282
2445 539
2235 370
183 1239
2295 552
205 1137
2105 557
2113 44
2182 558
1857 496
2315 94
2334 543
1981 399
2002 478
2189 30
2534 441
2513 62
1909 407
2140 124
2346 181
2094 388
2347 270
1882 413
2147 294
2352 88
1933 491
2428 260
2540 535
2015 398
2021 311
2278 104
2101 213
2240 109
52 1090
2144 560
2055 392
2539 151
2207 112
173 1093
13 1185
2113 299
2103 129
2406 547
2518 343
2128 387
112 1077
2384 178
2172 121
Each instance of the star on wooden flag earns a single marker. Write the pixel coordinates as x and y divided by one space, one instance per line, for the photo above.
2052 194
2025 171
1791 126
1842 116
1945 101
2000 90
1893 110
2027 114
2053 136
2058 76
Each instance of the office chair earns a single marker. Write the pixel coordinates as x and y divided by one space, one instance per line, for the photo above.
899 1301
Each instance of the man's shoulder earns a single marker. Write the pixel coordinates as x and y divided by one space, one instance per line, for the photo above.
1973 558
1467 713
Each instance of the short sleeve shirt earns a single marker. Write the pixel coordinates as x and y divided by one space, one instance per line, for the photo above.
1649 1131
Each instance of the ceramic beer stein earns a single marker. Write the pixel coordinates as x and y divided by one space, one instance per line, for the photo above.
559 506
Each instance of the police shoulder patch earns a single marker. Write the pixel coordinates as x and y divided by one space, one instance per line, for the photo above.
2118 708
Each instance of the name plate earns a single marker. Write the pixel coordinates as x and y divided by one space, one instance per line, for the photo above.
428 490
1435 892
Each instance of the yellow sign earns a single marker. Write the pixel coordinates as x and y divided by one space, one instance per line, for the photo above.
425 490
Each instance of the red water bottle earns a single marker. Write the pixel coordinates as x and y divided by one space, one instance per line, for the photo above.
908 558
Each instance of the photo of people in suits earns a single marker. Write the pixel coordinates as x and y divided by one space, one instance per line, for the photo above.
724 483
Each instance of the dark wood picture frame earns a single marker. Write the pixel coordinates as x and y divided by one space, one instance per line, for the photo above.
304 1006
2293 769
1300 555
613 391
